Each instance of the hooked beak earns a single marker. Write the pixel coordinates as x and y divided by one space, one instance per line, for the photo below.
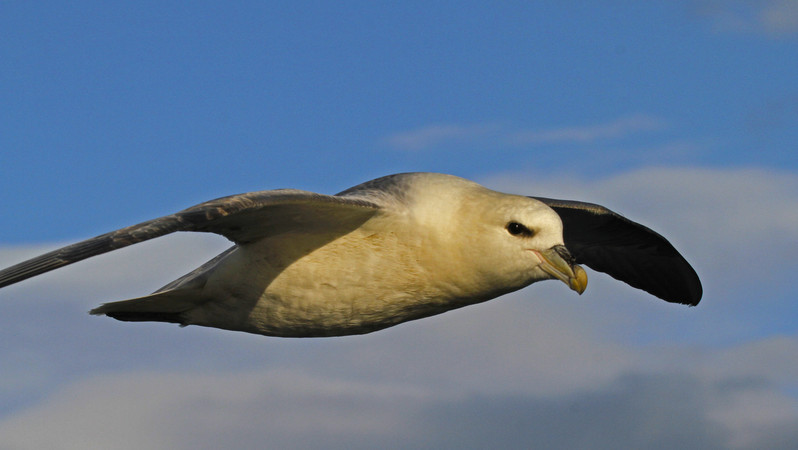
559 263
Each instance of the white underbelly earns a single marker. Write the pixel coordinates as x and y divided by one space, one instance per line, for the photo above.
342 287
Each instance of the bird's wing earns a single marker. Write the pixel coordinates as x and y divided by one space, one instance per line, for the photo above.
241 218
628 251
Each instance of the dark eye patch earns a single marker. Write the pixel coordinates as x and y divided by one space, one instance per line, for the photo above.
517 229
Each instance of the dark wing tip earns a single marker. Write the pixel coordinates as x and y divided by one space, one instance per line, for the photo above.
626 250
86 249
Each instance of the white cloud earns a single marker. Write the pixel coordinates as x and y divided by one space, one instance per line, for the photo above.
615 129
314 406
437 135
776 18
441 135
780 16
268 409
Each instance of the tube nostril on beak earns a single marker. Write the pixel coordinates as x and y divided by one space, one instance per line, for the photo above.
564 254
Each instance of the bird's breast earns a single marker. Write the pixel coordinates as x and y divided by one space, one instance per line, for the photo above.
308 286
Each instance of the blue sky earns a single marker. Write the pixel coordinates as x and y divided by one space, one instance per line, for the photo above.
680 114
262 95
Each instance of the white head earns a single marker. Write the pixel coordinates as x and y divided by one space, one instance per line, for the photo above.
487 241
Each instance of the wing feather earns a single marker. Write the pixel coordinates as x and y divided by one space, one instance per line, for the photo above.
241 218
626 250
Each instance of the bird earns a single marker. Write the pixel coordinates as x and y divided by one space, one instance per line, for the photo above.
394 249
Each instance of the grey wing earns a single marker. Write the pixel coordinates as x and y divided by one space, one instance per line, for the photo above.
241 218
626 250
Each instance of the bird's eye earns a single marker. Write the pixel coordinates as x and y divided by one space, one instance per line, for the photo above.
516 229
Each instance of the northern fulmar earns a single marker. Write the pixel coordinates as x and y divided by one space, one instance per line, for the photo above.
394 249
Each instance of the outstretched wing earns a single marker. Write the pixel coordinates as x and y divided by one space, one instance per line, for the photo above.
628 251
241 218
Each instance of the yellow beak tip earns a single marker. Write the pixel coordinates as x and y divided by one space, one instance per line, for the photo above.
579 281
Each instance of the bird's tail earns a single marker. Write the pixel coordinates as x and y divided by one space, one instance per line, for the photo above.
168 306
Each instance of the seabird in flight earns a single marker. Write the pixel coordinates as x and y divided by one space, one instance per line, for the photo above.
398 248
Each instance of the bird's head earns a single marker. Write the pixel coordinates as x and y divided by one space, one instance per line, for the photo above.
501 242
527 235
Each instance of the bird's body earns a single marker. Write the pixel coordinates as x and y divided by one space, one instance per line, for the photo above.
391 250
